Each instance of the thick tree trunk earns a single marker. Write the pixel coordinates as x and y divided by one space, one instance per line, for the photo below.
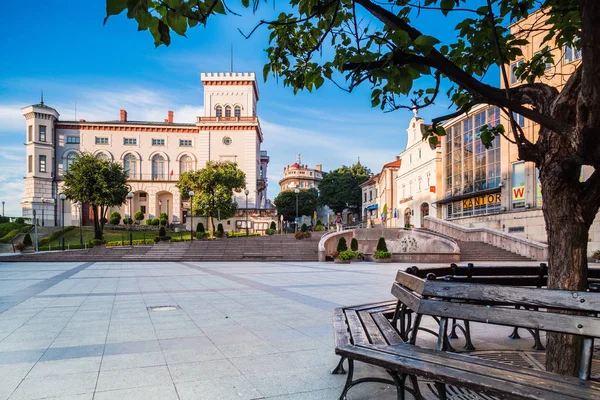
97 230
568 239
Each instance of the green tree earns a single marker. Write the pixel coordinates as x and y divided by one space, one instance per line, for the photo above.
97 182
115 218
340 190
386 46
139 215
286 203
27 240
381 246
341 245
213 188
273 226
354 244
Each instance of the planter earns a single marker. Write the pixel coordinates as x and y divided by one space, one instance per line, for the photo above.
358 260
338 261
383 260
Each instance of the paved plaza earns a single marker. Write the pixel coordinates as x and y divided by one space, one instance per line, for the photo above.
230 330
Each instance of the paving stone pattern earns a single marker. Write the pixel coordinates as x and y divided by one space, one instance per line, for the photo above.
252 330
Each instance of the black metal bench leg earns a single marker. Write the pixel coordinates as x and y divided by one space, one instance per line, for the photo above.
453 334
339 369
515 333
468 344
400 381
441 388
417 391
535 333
348 384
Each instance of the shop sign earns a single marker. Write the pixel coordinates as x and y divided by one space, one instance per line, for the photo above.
482 200
518 193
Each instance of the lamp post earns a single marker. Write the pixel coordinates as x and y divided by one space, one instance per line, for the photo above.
80 210
130 197
43 206
191 193
297 191
62 201
246 192
3 208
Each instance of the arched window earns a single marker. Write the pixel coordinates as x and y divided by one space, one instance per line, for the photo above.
237 111
101 156
185 164
219 111
70 160
227 111
158 167
130 165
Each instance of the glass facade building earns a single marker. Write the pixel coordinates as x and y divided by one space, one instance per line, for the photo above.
471 172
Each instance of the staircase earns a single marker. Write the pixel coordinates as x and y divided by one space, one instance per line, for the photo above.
479 251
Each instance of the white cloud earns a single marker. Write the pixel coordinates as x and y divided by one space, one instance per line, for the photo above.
11 118
12 188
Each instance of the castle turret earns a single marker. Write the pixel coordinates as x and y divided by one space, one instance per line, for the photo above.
40 144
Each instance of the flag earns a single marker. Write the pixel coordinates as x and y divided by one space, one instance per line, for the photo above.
171 172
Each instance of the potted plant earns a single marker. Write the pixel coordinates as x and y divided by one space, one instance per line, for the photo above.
302 235
382 255
359 256
200 232
341 245
344 257
220 230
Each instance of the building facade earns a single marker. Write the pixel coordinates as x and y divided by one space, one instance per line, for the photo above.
416 179
299 176
370 206
493 188
153 154
387 193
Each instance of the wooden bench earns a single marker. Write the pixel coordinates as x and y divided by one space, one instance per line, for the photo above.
493 304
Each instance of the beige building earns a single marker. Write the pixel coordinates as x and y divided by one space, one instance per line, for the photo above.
493 188
370 200
388 194
300 176
153 154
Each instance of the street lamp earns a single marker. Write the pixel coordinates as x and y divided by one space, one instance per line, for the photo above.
3 208
191 193
130 197
79 206
246 192
62 201
297 191
43 204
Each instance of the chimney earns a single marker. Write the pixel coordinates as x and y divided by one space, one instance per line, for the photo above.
123 117
318 167
397 158
170 118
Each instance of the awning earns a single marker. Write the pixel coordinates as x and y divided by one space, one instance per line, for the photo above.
372 207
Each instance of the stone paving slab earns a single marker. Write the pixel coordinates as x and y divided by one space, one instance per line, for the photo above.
251 330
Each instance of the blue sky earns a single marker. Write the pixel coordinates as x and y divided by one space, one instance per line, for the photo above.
64 49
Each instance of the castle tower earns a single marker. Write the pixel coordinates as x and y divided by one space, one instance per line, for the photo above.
40 144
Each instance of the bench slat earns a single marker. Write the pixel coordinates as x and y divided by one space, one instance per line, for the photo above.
357 331
531 281
380 304
512 385
387 329
406 297
546 321
562 299
372 329
340 328
410 281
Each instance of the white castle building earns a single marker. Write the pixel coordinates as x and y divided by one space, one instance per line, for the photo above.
153 154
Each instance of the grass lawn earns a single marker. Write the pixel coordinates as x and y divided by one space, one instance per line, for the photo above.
72 237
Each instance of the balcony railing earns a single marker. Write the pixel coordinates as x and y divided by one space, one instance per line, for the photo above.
164 177
226 119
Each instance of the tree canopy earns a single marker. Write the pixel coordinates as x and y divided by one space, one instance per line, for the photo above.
213 188
386 46
98 182
286 203
339 189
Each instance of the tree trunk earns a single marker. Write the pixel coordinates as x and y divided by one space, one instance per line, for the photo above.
97 230
567 251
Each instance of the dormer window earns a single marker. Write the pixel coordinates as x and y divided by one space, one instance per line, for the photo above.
237 111
227 111
219 111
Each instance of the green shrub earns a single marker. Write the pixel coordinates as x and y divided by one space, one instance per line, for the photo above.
4 220
220 228
346 255
319 228
270 232
319 222
97 242
273 226
163 222
302 235
148 221
341 246
354 244
20 221
139 215
8 235
382 254
200 227
165 238
201 235
114 244
163 216
304 228
127 221
381 246
157 239
27 240
162 232
103 221
359 256
55 235
19 246
155 222
115 218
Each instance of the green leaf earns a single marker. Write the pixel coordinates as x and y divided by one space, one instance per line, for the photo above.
425 43
163 31
177 23
246 3
114 7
